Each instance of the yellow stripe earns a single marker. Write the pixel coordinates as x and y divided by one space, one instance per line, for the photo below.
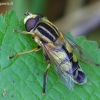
68 47
74 58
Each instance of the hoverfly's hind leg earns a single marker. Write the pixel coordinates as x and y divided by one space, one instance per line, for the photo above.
21 53
45 74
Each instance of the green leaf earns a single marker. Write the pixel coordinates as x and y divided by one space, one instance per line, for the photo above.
21 78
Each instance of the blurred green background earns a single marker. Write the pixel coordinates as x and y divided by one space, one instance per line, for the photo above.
80 17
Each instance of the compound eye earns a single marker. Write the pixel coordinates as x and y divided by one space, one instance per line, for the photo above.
30 24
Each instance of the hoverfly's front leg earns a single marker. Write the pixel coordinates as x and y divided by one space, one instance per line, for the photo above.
21 53
23 32
45 74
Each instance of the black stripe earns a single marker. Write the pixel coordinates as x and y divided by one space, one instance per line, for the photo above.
80 77
45 33
51 29
74 64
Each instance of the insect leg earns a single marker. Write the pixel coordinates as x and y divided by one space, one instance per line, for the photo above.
21 53
45 74
23 32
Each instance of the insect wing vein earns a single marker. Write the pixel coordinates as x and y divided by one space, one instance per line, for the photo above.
65 74
79 52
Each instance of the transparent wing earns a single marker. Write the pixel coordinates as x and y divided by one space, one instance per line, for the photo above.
79 52
61 63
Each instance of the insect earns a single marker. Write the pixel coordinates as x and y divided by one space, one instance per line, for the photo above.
57 48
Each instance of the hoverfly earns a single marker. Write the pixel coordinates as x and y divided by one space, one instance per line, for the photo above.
57 48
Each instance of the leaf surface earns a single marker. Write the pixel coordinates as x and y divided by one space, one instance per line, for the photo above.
21 78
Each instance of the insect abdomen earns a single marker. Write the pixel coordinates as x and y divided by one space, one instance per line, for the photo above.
78 75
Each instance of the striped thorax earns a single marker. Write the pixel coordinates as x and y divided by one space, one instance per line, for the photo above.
43 28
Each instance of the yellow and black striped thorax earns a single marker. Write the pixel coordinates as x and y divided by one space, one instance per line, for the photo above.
44 29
